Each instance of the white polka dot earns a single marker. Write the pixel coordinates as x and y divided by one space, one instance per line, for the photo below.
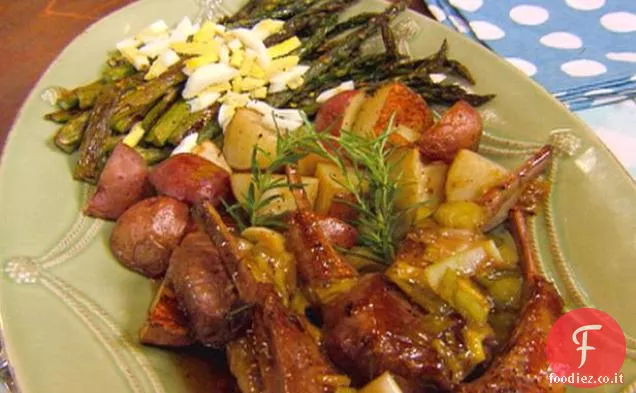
524 65
581 68
437 12
585 5
598 92
486 30
530 15
468 5
622 56
619 22
459 24
561 40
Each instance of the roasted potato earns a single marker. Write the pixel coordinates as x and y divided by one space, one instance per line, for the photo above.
340 111
412 114
145 235
123 182
307 165
331 191
245 131
189 178
419 183
470 175
241 183
211 152
459 128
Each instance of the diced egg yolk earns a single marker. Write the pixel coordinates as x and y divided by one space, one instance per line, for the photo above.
284 47
195 48
237 58
134 136
267 27
261 92
206 32
202 60
283 63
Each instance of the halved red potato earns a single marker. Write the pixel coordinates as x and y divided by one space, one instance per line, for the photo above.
340 111
190 178
460 128
145 235
412 114
123 182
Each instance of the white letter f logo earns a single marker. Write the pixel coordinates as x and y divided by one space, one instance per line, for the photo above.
584 347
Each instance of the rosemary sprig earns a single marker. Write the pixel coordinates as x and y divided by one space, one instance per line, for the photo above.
378 218
262 181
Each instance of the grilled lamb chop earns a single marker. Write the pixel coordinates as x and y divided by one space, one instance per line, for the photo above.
522 367
205 292
289 358
371 328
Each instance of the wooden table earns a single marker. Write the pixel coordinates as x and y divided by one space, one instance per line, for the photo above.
34 32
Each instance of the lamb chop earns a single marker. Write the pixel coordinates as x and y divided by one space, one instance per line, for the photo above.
522 366
289 358
369 328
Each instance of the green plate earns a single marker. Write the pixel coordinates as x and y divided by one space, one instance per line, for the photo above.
70 313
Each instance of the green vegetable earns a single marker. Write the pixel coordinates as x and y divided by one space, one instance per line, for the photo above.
465 297
412 281
168 123
62 116
97 132
117 72
86 95
159 108
153 155
69 136
194 122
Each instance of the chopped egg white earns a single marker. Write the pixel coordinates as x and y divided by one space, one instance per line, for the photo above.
183 31
327 94
153 31
205 76
127 43
204 100
252 40
226 113
283 119
187 144
280 80
154 48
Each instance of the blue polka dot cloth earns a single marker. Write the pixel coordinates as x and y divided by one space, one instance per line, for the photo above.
582 51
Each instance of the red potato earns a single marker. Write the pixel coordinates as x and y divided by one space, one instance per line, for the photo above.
190 178
412 114
146 234
340 111
460 128
123 183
